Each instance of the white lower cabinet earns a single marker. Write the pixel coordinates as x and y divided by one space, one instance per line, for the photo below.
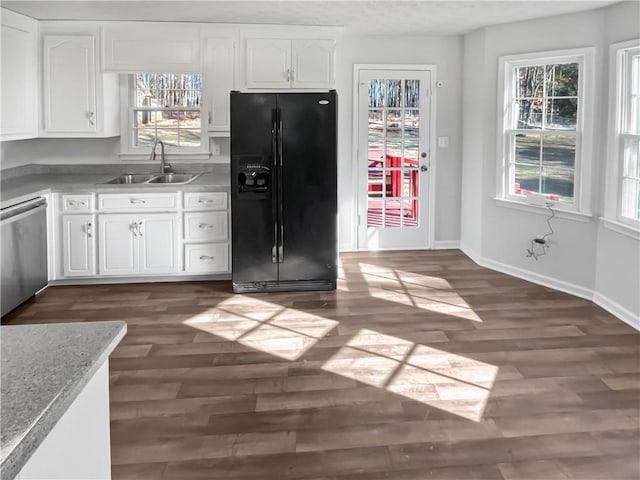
78 245
206 257
138 244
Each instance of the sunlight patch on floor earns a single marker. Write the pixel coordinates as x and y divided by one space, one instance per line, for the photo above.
450 382
284 332
420 291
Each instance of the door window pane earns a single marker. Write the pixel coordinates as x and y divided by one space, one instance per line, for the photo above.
392 214
394 182
394 98
394 153
376 93
374 212
410 183
376 123
410 212
394 123
411 154
412 93
412 123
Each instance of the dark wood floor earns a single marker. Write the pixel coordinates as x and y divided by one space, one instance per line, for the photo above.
421 365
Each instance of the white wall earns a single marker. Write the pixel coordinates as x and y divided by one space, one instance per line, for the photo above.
506 233
618 256
446 53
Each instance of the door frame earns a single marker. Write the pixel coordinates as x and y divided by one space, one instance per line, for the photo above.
360 209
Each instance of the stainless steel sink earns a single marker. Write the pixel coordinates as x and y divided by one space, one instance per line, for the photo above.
131 178
175 178
154 178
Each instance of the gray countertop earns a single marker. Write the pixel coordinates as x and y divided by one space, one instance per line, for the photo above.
44 368
57 180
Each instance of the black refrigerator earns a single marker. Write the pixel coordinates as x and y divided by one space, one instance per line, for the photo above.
283 191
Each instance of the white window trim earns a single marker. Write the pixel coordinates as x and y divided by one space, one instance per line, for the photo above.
585 141
613 195
129 152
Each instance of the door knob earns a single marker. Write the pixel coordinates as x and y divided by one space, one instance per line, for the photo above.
423 168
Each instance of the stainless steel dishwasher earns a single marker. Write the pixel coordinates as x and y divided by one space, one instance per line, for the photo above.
24 252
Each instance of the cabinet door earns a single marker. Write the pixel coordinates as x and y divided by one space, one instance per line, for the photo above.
78 243
312 63
158 243
118 244
19 58
219 81
69 84
267 63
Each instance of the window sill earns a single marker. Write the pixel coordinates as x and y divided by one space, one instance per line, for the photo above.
621 228
540 210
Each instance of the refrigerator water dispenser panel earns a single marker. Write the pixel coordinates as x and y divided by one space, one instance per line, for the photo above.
254 178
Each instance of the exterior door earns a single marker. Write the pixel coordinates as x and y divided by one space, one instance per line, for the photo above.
393 158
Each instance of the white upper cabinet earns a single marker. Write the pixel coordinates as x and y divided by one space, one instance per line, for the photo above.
312 63
285 64
219 80
77 99
130 47
69 84
19 90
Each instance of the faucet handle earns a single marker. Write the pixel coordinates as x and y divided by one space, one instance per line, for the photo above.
168 168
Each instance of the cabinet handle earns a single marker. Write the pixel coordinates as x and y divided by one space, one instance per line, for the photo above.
73 203
210 118
206 257
89 229
134 228
205 201
293 76
140 228
136 200
288 74
205 226
90 117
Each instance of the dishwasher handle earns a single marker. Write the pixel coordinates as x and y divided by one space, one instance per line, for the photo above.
18 212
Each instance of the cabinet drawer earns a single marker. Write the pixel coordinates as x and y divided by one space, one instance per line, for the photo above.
137 201
77 203
210 226
206 257
205 201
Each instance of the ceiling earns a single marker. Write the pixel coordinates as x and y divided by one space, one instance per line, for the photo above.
452 17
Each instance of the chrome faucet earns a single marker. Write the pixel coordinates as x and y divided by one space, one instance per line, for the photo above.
164 166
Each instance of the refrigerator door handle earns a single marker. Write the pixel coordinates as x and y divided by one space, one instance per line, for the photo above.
280 196
274 182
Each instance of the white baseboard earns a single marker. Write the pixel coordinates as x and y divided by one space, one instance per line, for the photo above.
606 303
618 310
446 244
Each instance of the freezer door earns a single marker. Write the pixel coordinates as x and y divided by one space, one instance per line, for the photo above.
307 136
253 201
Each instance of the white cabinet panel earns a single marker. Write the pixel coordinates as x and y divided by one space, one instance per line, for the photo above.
69 84
312 63
124 202
130 47
19 83
157 237
118 244
219 79
211 226
78 243
284 64
267 63
205 201
206 258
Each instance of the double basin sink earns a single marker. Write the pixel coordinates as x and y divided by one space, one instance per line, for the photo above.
154 178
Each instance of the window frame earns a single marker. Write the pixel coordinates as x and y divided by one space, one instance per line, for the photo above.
583 132
128 107
620 84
